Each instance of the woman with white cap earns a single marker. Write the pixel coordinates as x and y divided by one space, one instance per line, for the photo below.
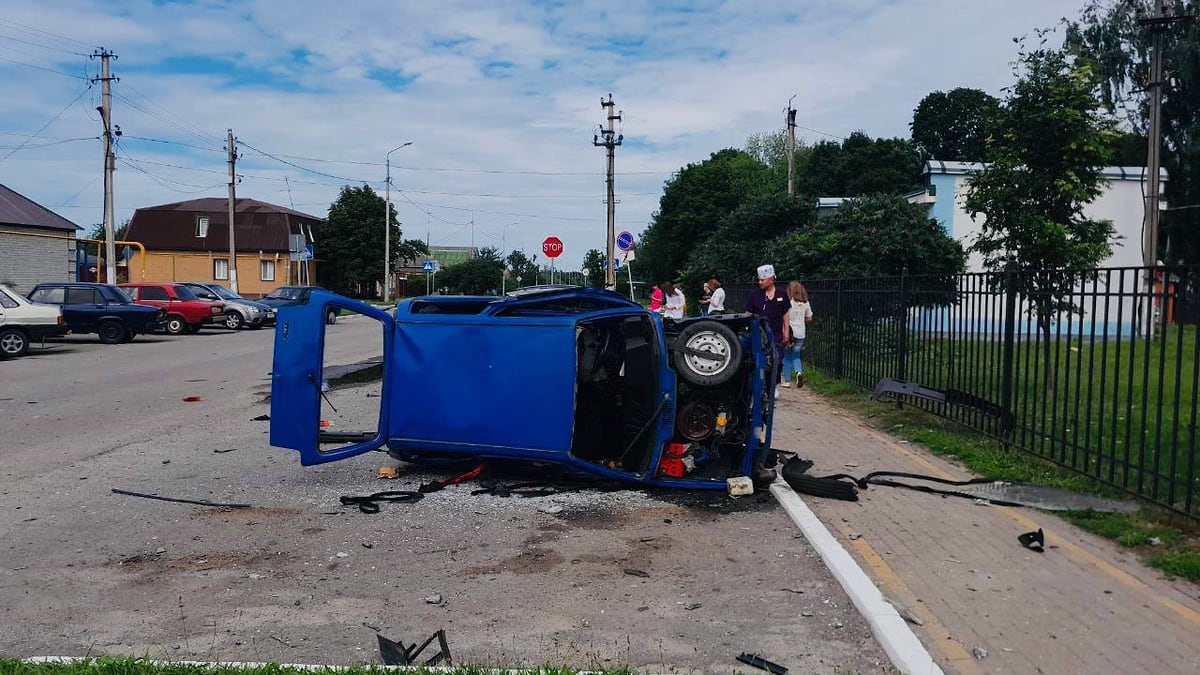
772 304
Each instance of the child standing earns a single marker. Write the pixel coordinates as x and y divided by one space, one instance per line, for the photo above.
799 316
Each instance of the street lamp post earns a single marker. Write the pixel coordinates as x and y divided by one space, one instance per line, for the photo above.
387 224
503 261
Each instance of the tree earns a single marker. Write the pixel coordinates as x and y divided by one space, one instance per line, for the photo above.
1108 38
593 262
770 148
693 202
877 235
955 125
860 165
351 242
1046 159
119 233
522 270
477 276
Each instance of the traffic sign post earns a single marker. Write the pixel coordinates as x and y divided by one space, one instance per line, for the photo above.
552 247
625 240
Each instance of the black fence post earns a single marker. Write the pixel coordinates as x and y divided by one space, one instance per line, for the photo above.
1007 418
838 370
902 343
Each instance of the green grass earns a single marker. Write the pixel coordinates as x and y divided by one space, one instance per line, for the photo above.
130 666
1177 552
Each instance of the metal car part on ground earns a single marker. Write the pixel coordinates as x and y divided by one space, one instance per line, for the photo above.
574 377
98 308
23 322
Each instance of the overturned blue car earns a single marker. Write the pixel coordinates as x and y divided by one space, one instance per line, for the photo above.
575 377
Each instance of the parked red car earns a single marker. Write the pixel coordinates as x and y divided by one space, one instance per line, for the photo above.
185 313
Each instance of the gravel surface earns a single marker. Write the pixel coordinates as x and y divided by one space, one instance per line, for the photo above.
661 580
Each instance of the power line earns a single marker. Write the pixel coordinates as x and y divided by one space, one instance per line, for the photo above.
47 145
42 46
420 205
47 124
129 161
45 34
302 168
127 137
48 70
162 118
464 170
194 130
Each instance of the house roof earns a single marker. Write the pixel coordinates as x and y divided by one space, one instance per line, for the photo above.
16 209
260 226
938 166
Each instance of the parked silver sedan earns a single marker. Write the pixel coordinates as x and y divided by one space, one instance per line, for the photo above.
239 312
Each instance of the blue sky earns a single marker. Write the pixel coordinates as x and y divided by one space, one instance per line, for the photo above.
500 100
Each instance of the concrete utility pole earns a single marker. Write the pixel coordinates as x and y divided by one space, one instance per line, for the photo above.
231 148
387 224
610 144
110 161
503 259
791 147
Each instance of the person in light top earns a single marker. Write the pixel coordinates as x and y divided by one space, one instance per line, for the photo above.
799 316
674 304
716 301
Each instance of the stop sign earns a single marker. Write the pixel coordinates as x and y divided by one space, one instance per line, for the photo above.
552 247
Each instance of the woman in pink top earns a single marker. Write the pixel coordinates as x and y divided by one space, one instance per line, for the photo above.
656 299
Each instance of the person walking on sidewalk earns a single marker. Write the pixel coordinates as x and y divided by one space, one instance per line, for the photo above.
771 303
674 304
716 302
799 316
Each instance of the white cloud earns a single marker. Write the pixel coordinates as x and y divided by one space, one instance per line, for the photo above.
689 82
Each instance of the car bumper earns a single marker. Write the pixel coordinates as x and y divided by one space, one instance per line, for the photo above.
41 332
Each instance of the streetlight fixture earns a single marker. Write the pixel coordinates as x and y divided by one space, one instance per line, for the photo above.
503 261
387 224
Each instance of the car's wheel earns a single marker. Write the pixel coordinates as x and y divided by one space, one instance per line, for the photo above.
13 342
129 335
331 316
175 325
111 332
233 320
707 353
194 327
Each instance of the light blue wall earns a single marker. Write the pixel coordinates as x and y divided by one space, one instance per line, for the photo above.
943 208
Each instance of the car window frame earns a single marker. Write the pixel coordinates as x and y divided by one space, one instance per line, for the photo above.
166 297
78 290
6 299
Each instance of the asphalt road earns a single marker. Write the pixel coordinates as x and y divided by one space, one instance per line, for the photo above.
300 578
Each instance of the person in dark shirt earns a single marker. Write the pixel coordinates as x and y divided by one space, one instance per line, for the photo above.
772 304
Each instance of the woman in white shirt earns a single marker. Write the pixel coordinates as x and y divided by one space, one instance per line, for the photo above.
799 316
674 304
716 301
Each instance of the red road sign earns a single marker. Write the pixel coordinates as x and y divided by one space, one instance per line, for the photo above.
552 247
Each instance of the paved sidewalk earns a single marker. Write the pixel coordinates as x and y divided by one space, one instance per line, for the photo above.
1083 606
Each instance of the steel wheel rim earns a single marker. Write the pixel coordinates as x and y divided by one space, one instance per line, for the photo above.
708 341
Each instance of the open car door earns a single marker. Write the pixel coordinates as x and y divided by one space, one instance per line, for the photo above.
296 377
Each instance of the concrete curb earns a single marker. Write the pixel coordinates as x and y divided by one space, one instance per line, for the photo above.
889 628
307 667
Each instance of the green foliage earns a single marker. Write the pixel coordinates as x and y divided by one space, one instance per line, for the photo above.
97 231
739 244
1053 140
1108 39
693 203
878 235
860 165
955 125
593 262
770 148
351 243
478 276
522 271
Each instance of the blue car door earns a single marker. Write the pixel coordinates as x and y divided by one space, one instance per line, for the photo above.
83 308
296 376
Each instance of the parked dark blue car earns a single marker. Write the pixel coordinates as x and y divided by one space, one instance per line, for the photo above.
98 308
577 377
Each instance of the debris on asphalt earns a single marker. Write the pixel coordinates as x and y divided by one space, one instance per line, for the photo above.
759 662
388 472
397 654
193 399
905 613
434 486
435 599
979 653
551 509
160 550
261 418
1034 541
634 572
370 503
221 452
854 535
1154 541
197 502
693 605
739 486
342 554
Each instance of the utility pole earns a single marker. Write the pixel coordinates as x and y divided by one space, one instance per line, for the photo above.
110 161
1157 25
231 149
387 224
791 147
610 145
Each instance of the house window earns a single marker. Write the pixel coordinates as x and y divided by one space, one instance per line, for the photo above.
220 268
202 226
266 270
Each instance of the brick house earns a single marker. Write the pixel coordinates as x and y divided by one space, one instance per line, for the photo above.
36 244
189 241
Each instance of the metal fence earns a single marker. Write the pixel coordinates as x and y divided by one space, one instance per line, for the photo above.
1097 372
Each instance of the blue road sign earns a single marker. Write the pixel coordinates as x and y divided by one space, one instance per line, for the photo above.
308 252
427 266
617 266
625 240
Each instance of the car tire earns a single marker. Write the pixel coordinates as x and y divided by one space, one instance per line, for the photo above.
175 325
13 342
234 320
111 332
331 316
712 337
194 327
129 336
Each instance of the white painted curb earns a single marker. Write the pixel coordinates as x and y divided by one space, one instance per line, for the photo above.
889 628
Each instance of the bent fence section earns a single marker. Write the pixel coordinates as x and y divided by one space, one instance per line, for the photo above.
1096 372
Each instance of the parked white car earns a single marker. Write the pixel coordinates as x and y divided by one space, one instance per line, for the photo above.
22 322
